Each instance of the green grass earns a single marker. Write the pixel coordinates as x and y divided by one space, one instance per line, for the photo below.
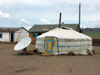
93 34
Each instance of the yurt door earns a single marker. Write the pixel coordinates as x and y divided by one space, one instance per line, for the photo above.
49 45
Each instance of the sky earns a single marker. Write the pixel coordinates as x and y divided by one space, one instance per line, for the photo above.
26 13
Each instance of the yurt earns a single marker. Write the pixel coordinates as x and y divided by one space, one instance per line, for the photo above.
63 41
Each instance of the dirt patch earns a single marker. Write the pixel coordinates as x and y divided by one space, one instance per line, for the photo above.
13 64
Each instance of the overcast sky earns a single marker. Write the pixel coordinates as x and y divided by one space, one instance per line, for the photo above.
26 13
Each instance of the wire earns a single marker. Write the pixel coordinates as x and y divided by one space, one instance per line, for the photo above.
72 15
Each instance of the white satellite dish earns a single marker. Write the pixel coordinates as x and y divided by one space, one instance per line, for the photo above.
22 44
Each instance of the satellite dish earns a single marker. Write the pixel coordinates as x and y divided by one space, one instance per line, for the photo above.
22 44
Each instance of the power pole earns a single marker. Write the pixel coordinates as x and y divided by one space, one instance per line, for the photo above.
59 20
79 13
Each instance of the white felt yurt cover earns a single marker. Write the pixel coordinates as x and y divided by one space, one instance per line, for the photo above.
66 40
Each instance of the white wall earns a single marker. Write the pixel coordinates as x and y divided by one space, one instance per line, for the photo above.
5 37
20 34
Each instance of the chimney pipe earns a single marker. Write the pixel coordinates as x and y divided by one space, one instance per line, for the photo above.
59 20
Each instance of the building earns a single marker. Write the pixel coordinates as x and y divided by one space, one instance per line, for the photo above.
12 34
37 30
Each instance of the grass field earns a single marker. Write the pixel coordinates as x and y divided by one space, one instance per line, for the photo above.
93 34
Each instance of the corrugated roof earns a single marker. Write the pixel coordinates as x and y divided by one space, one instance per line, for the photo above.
39 28
10 29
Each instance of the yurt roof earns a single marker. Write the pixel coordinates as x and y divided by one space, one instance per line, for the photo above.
65 33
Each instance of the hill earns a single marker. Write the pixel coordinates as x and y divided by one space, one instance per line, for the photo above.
92 32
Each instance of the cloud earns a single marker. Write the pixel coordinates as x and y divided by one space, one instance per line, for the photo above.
97 6
4 15
90 11
92 24
43 2
28 27
2 25
44 21
24 22
17 16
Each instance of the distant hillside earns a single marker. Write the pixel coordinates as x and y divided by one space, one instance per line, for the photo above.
92 32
